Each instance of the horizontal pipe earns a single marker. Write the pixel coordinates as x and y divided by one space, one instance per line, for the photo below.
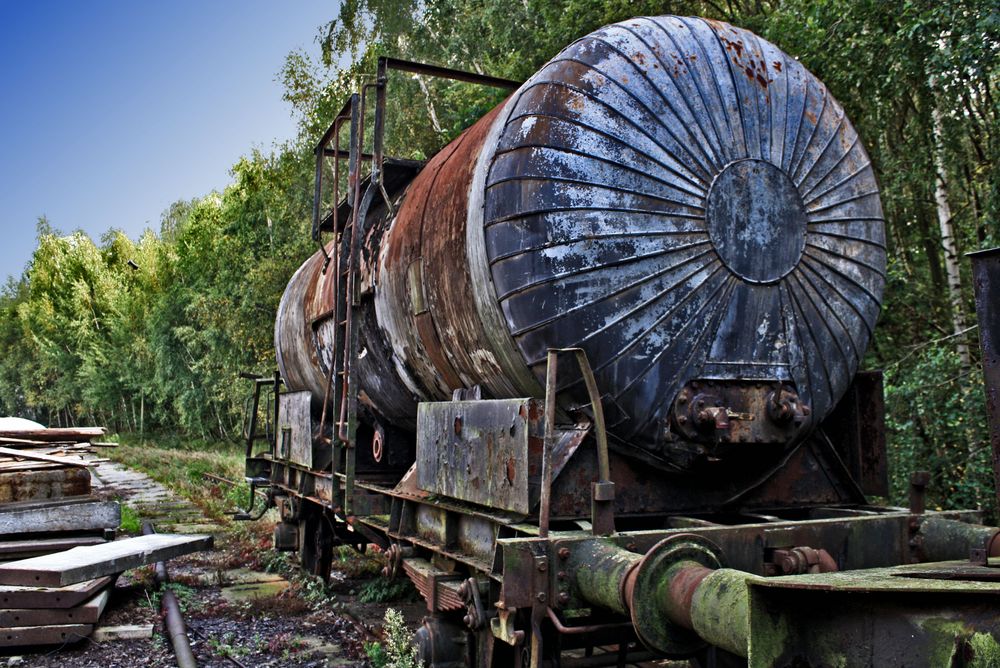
945 540
720 610
173 619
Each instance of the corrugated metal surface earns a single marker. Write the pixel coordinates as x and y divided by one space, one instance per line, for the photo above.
683 200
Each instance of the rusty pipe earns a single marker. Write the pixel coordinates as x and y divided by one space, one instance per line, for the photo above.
548 443
678 595
943 539
173 619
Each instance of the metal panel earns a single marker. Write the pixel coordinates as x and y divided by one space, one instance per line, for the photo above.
881 617
986 280
856 429
479 451
295 419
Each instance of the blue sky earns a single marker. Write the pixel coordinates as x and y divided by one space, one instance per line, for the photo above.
112 110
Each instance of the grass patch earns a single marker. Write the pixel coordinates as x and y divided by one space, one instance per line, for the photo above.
131 523
181 465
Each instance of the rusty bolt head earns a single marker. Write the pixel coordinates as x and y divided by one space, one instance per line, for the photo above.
682 419
541 597
542 566
463 589
561 575
563 553
683 399
468 620
563 598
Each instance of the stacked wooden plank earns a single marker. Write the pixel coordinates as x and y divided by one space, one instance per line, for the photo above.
45 463
58 598
45 490
46 506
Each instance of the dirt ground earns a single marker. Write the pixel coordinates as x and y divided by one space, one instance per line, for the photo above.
244 604
293 621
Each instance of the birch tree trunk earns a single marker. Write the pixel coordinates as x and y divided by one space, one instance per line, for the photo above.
948 243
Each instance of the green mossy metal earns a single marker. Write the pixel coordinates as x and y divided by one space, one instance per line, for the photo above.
600 568
720 610
945 539
652 605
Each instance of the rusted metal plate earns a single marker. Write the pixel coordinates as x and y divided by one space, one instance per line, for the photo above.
294 433
986 282
857 430
306 297
483 452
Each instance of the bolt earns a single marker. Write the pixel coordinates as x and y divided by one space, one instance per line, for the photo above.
541 597
468 620
561 575
564 553
542 566
563 598
682 419
683 399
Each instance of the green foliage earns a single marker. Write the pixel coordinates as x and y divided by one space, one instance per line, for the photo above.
376 654
400 652
383 590
936 423
180 464
131 522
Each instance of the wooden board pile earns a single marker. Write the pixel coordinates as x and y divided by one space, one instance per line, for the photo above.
59 597
46 463
46 506
46 503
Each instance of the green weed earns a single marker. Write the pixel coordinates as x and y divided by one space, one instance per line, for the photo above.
130 523
383 590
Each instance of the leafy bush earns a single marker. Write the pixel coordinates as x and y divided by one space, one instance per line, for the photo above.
936 422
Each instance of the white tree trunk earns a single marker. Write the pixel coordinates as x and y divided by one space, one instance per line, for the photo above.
431 111
948 244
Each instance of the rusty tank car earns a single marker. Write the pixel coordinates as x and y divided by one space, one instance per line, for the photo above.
589 376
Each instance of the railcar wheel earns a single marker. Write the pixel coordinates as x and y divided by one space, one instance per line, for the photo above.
315 543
